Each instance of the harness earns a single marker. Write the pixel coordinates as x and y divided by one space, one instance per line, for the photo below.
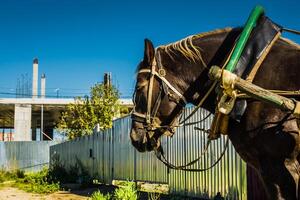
226 99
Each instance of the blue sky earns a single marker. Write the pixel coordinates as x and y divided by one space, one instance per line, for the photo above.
77 41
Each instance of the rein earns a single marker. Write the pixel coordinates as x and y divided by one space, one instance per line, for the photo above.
151 125
160 153
161 156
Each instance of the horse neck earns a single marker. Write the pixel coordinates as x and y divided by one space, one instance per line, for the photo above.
192 77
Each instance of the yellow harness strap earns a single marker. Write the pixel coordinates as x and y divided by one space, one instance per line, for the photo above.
297 113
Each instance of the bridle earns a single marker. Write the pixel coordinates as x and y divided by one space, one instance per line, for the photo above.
149 119
151 123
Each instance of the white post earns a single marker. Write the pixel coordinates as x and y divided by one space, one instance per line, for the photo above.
43 92
35 78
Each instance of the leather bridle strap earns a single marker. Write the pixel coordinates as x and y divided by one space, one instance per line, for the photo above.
161 77
150 88
165 86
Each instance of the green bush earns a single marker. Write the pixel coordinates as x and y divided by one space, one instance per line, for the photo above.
57 171
126 192
20 174
11 175
44 188
76 173
37 183
99 196
2 179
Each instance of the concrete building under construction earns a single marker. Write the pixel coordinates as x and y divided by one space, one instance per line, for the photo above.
33 118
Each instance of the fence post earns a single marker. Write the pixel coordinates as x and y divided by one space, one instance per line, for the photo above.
112 152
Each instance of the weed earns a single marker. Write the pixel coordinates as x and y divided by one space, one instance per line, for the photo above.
32 182
126 192
57 171
99 196
73 174
11 175
37 183
153 196
20 174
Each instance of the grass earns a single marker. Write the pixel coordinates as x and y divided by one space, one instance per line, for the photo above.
125 192
99 196
32 182
10 176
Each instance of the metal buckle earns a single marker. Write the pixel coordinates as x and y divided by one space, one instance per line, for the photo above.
226 103
162 72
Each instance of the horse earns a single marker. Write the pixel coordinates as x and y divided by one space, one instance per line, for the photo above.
172 75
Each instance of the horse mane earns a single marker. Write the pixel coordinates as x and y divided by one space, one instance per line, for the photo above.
192 52
187 48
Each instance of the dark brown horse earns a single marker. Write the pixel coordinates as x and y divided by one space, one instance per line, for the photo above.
266 137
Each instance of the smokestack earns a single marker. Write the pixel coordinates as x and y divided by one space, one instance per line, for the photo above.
107 79
35 78
43 85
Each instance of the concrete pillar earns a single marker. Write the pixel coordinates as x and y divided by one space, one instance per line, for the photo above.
22 123
43 86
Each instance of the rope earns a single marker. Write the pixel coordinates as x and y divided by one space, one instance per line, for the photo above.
291 31
197 122
160 155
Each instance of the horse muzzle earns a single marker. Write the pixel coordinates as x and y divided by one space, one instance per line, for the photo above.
142 139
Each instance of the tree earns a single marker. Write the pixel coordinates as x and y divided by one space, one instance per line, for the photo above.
81 117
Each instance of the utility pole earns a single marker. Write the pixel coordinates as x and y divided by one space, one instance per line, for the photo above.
43 92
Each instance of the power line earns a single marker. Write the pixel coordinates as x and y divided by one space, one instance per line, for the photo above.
49 96
55 96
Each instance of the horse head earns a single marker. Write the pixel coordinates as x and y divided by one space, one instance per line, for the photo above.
156 108
164 86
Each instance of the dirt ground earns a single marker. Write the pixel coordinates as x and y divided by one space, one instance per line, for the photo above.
16 194
11 193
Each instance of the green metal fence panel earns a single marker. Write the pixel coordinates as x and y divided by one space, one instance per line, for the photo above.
29 156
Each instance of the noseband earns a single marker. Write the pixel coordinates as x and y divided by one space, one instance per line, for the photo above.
149 119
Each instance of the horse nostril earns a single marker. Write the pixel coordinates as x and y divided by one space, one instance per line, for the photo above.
138 139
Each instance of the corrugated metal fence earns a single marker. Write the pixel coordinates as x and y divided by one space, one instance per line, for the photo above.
27 156
109 155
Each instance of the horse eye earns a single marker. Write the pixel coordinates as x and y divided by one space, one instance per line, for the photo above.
139 87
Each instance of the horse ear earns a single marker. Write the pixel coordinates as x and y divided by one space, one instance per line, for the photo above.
148 52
